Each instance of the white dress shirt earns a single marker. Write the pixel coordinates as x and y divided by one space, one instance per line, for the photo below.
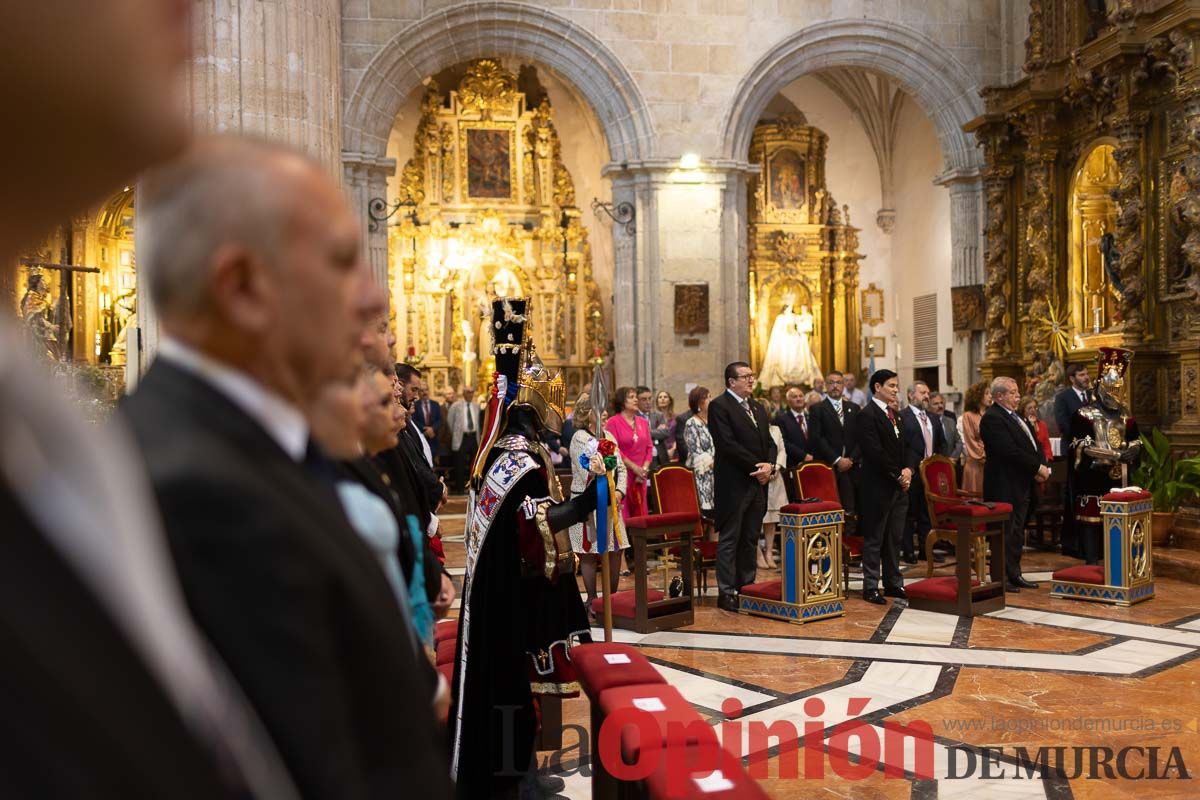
282 421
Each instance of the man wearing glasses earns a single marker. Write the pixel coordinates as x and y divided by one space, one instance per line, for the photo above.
743 464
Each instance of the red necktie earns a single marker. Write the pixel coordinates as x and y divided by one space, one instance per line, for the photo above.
804 425
891 415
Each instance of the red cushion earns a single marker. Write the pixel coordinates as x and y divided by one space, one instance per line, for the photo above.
677 774
674 720
817 480
1081 573
708 550
768 590
445 651
941 588
671 518
939 478
854 544
1126 497
624 603
971 510
810 508
445 629
597 673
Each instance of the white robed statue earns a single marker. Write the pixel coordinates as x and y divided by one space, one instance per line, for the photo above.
790 358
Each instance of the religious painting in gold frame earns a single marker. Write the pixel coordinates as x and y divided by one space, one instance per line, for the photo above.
489 161
787 183
880 344
872 305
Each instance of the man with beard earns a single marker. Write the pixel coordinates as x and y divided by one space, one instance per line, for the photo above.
521 610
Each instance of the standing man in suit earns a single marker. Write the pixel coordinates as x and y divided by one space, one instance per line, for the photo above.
107 686
925 437
793 423
883 488
427 415
464 435
1076 395
833 442
944 418
1015 462
743 465
255 266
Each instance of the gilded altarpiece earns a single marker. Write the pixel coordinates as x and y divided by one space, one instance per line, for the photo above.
1093 201
487 209
803 249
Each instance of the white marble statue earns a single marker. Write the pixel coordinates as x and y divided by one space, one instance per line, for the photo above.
790 358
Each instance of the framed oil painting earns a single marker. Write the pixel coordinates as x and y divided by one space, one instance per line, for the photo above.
787 187
489 163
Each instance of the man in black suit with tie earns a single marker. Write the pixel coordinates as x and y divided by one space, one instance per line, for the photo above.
883 488
833 440
925 437
1067 403
1014 463
743 464
794 424
427 415
256 271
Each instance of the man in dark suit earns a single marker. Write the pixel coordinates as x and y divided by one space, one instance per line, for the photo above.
1014 463
413 443
259 310
107 688
427 415
925 437
833 442
1067 403
883 488
743 464
795 425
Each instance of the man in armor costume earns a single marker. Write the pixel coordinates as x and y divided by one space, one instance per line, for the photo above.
521 609
1105 447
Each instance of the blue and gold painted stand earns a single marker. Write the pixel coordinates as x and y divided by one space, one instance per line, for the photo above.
1127 575
811 589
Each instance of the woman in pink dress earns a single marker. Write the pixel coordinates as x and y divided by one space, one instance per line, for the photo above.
632 432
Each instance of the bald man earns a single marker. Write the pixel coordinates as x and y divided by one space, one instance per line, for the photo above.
255 266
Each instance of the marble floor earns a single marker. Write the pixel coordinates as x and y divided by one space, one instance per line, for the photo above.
1041 673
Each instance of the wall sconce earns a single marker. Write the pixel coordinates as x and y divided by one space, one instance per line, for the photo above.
622 214
689 169
689 161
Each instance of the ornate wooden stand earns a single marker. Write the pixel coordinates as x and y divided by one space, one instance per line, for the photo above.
811 543
1127 574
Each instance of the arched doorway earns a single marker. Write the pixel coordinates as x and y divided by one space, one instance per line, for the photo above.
1093 255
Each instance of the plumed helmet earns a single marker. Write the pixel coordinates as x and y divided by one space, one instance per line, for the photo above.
1111 384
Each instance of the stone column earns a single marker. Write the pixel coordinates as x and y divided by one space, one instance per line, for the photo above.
625 269
735 267
966 259
365 178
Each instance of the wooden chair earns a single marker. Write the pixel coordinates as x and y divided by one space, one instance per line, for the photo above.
674 490
815 479
942 494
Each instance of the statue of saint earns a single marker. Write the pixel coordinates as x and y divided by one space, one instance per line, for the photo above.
790 358
37 312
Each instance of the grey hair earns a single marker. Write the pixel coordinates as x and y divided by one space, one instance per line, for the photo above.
227 190
812 398
912 387
1000 386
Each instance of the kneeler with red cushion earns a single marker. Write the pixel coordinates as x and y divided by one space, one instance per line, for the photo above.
1127 574
811 550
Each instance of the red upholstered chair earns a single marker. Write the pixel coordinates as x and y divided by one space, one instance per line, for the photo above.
674 490
702 772
942 494
817 480
677 723
445 651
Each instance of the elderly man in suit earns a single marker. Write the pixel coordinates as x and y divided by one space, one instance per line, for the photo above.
925 437
107 686
1015 463
937 410
833 440
427 415
743 465
255 266
883 488
1068 401
464 435
794 423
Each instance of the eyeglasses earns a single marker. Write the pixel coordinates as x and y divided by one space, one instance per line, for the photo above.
744 376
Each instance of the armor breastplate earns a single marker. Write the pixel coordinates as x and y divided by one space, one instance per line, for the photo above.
1107 431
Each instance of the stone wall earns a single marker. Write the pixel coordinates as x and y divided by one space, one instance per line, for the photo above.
687 57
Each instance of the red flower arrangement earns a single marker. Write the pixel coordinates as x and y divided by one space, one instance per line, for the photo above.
606 447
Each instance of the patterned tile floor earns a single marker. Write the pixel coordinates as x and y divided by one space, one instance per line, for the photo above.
1040 674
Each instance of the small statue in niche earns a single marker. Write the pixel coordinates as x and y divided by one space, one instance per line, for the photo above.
38 314
1097 17
1112 262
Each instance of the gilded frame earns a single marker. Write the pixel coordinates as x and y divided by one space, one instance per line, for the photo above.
514 176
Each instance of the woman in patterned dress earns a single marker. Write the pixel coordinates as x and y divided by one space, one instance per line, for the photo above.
632 434
700 448
583 535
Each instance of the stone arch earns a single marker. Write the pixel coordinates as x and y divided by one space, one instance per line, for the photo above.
933 77
497 29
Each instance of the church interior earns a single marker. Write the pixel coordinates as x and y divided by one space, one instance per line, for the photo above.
956 191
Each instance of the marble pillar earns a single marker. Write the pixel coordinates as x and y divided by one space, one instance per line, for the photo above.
966 264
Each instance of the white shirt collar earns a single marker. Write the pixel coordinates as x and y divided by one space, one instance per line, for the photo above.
736 399
882 405
282 421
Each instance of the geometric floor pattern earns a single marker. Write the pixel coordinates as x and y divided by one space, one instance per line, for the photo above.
1041 673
